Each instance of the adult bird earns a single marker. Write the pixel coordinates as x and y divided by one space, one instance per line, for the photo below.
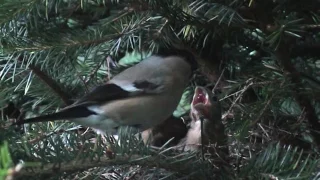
141 96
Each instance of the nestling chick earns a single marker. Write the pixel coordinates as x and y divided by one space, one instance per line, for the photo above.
205 106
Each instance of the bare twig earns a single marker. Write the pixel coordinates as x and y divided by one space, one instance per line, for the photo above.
218 81
239 94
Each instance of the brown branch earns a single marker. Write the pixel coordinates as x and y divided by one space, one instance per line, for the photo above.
73 166
81 165
49 82
283 55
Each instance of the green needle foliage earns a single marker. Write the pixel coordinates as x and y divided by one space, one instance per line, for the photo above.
261 56
6 160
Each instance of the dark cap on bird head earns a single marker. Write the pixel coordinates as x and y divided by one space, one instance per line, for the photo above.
184 53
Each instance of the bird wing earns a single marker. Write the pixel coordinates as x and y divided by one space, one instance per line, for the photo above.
111 91
101 94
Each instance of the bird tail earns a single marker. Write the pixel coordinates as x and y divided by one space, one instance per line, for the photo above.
65 114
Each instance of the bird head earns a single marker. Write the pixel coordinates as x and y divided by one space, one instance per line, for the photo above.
205 104
187 55
205 107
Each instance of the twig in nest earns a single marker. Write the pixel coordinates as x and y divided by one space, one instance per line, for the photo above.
250 83
218 81
202 137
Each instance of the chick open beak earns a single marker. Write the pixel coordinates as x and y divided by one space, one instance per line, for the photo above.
201 102
200 96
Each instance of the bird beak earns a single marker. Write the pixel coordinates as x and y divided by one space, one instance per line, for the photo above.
201 104
200 96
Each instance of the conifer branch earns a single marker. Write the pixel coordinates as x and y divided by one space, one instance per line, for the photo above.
49 82
86 164
283 55
70 44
